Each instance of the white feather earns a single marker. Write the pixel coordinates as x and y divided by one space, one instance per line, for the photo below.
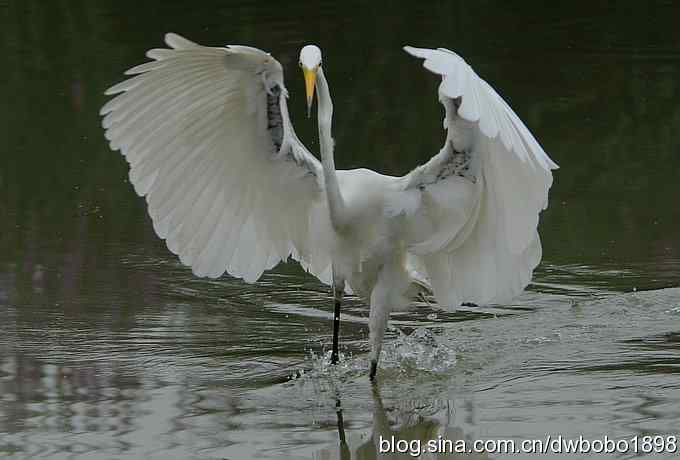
482 244
193 126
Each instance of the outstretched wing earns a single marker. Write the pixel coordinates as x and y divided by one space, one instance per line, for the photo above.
210 144
472 210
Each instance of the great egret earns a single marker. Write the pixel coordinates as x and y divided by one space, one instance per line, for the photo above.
230 187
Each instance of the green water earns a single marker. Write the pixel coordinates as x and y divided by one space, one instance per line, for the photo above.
109 348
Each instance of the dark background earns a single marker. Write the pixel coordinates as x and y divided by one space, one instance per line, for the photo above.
597 83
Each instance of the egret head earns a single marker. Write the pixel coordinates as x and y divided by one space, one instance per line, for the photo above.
310 61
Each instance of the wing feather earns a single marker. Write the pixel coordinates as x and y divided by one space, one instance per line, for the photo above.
228 188
475 228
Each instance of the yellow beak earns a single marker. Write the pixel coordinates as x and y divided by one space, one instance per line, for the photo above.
310 82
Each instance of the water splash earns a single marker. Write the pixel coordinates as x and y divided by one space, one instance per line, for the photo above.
320 366
409 354
419 351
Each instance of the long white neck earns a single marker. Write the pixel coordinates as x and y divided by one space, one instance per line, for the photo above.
336 205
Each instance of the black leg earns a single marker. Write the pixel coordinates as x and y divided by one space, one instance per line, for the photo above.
336 332
337 297
345 453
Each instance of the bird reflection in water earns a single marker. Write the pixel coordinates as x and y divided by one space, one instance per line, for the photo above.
398 423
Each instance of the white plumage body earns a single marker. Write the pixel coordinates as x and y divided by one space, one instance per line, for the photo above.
231 188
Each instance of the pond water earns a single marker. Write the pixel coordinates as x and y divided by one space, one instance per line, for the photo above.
110 349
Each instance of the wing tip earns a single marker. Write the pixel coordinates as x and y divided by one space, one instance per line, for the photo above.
416 52
115 89
176 41
426 53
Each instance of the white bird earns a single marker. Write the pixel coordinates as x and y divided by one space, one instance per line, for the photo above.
230 187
